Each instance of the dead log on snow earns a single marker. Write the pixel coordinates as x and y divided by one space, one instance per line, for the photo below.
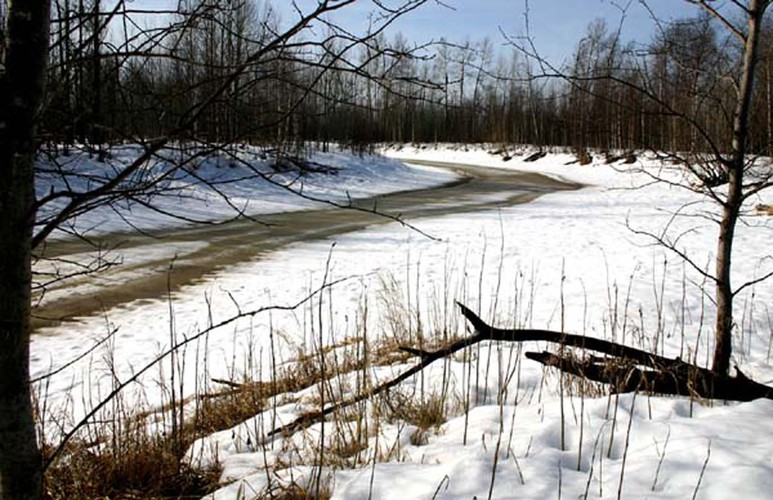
624 368
627 369
535 156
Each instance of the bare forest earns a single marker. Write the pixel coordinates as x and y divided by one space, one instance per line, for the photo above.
111 79
130 111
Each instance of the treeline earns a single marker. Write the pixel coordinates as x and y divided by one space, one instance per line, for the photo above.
117 74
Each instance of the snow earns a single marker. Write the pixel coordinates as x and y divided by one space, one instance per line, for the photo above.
669 439
195 184
568 260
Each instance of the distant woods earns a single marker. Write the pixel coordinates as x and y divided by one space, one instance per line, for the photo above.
117 74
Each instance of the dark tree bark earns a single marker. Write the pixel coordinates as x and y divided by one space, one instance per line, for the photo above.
626 368
96 125
21 97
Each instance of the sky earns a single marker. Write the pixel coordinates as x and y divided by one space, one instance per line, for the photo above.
555 25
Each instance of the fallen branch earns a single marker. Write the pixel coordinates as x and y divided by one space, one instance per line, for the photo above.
221 381
624 368
427 358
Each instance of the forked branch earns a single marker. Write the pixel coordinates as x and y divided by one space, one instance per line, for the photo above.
628 369
624 368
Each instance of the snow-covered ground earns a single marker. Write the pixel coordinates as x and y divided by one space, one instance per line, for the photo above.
196 184
568 260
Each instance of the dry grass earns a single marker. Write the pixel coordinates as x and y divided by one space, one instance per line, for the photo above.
298 491
224 410
141 463
427 414
140 466
137 462
763 209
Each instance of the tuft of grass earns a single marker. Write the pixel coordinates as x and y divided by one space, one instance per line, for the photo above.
297 491
426 414
138 462
142 466
226 409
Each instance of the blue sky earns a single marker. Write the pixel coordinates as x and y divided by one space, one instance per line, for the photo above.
556 25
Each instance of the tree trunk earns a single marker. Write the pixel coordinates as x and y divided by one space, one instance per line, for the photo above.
724 322
21 96
723 342
769 100
96 124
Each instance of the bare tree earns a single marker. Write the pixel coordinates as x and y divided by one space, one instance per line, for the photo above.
241 68
687 87
22 81
736 165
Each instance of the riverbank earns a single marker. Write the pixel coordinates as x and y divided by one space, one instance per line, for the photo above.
154 265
